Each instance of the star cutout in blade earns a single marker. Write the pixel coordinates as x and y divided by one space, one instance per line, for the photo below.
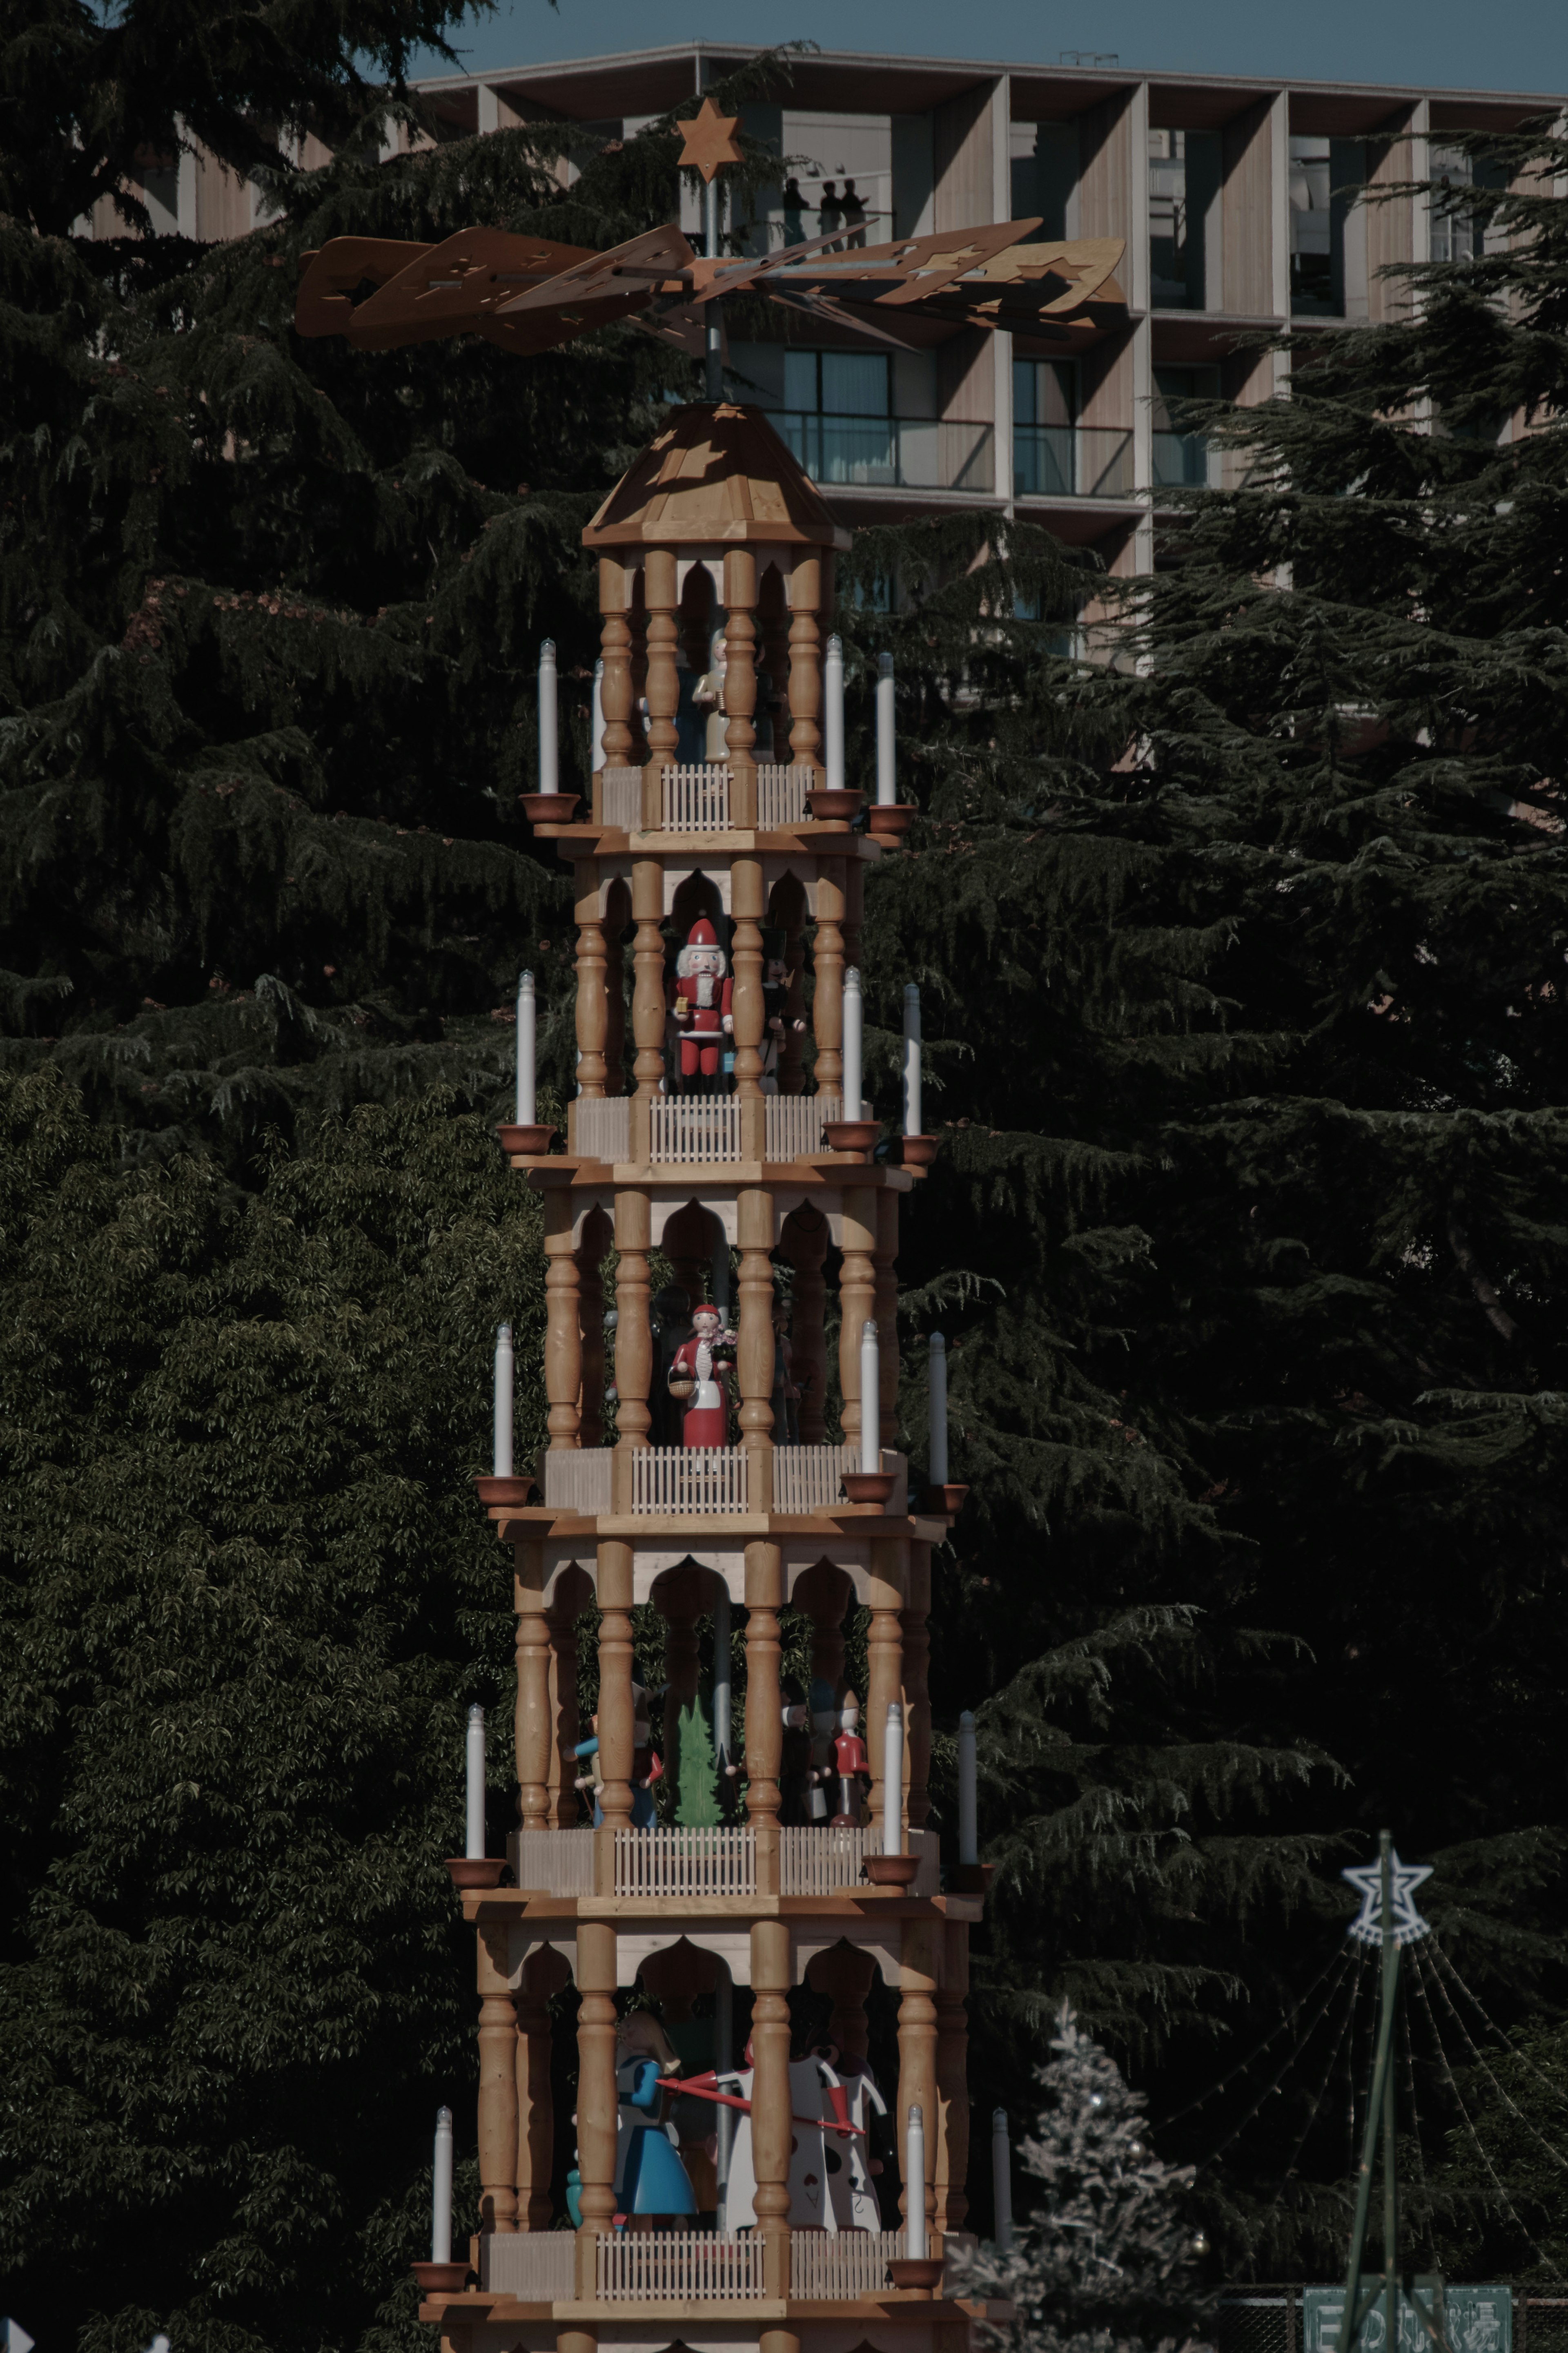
1404 1879
709 139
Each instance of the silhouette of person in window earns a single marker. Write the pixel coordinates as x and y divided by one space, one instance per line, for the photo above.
793 213
830 213
854 215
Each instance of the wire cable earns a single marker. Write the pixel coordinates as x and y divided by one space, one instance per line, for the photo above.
1418 1976
1259 2048
1508 2102
1353 1980
1451 1971
1271 2088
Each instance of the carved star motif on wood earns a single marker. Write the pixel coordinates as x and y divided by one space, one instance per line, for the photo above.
709 139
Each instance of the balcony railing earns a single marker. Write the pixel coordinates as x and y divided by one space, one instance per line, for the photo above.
1181 461
912 453
687 2267
705 1479
815 1858
1071 461
687 1131
696 799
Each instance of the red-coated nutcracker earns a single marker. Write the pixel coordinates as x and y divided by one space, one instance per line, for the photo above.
702 1005
851 1763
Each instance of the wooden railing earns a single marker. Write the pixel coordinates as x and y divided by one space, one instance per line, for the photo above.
793 1124
686 1862
811 1478
689 1479
814 1860
830 2267
685 1129
601 1127
621 801
536 2266
552 1863
577 1477
680 2266
695 800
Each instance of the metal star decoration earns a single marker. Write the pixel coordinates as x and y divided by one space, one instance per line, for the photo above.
709 139
1404 1879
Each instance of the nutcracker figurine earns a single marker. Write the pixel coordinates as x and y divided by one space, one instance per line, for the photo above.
693 1371
851 1764
702 1001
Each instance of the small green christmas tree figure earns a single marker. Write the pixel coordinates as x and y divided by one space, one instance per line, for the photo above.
1103 2259
694 1768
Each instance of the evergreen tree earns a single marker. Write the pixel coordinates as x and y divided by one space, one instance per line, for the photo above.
1102 2257
693 1767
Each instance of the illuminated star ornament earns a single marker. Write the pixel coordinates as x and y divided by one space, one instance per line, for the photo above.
709 140
1404 1879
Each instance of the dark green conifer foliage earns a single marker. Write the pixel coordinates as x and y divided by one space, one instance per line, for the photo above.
1243 968
245 1597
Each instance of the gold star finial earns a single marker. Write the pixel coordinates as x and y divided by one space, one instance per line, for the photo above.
709 139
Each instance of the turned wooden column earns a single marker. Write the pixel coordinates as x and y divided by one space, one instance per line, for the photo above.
618 915
591 1008
845 1975
917 1695
857 1300
562 1329
679 1595
498 2086
590 1321
804 1244
663 680
754 1352
614 1710
764 1728
884 1654
596 2102
952 2079
616 645
633 1340
747 905
544 1974
919 1971
805 663
884 1263
741 684
770 2131
827 968
533 1727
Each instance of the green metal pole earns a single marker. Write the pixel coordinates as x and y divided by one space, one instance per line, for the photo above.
1390 2000
1380 2092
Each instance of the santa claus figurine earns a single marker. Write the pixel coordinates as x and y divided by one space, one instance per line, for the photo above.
702 1007
693 1371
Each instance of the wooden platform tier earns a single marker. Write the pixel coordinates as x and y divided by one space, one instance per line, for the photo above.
481 2320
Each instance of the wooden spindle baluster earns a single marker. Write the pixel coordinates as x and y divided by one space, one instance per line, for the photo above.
884 1654
615 646
498 2086
857 1300
805 663
562 1327
764 1729
919 1973
828 973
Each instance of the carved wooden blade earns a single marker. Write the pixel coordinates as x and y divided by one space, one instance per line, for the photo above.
906 271
447 288
324 304
660 260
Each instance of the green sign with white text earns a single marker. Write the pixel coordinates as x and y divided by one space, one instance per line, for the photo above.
1473 2319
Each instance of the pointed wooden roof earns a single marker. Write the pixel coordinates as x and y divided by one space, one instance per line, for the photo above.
715 473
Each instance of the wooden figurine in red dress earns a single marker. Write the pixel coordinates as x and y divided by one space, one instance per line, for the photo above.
851 1763
693 1378
702 1007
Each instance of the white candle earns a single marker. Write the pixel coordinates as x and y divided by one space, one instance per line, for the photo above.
833 716
854 1032
915 2181
597 758
913 1060
870 1398
441 2190
887 754
936 1444
527 1050
968 1810
549 738
893 1781
1001 2178
474 1842
504 1368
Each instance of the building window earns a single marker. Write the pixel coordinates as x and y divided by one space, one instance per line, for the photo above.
839 383
1458 236
1181 456
1183 219
1325 175
1044 176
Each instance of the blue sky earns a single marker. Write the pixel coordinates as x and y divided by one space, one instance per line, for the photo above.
1519 45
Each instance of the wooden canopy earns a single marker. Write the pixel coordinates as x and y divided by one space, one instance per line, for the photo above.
715 474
